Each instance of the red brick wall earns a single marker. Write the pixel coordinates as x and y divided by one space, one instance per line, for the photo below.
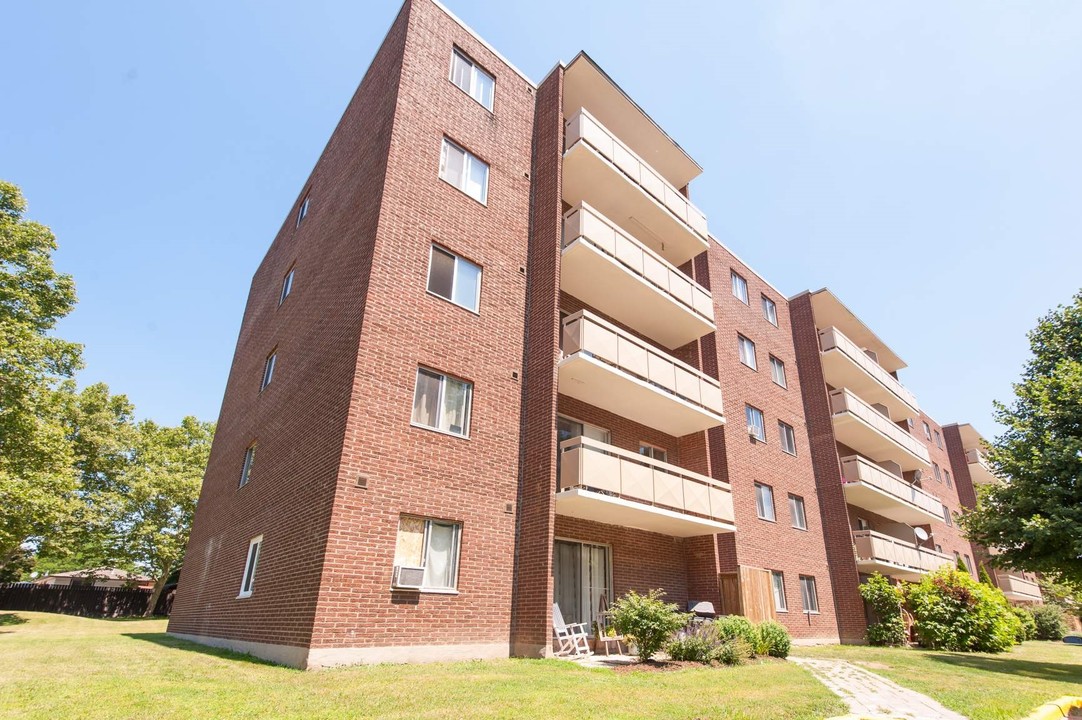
760 543
298 421
418 471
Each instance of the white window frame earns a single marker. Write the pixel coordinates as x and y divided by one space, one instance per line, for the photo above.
268 369
770 310
798 508
251 565
467 414
467 167
474 89
947 516
935 471
246 467
287 285
750 412
863 524
458 260
947 478
740 287
302 210
777 370
938 439
654 450
927 430
777 584
745 348
456 553
787 437
764 492
809 591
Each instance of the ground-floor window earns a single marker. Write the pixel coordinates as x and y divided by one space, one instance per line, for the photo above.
777 581
581 580
426 554
808 594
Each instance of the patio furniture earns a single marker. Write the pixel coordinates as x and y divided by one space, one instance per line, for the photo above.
572 638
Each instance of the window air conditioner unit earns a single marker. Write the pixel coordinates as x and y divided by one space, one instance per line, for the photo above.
408 577
753 431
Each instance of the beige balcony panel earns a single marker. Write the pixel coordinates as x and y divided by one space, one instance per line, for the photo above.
612 271
846 365
601 171
979 469
631 490
863 428
877 552
1018 588
638 381
869 486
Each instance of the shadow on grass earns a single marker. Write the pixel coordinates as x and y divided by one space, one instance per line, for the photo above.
1055 672
11 619
174 643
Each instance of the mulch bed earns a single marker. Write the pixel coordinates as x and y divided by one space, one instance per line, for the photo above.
673 665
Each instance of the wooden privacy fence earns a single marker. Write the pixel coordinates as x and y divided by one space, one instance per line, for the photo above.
747 592
83 600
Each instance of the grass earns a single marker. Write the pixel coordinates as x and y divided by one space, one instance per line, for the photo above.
55 666
981 686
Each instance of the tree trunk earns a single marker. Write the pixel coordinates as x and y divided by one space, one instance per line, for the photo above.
159 585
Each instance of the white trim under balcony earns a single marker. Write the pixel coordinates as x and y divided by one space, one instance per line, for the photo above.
863 428
1016 587
612 271
887 555
873 488
616 371
979 469
846 365
604 172
609 485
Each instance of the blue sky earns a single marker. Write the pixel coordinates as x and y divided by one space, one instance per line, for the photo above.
921 159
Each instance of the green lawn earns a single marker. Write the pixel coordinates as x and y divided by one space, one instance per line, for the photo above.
54 666
978 685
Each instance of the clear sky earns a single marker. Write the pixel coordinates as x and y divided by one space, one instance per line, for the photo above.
922 159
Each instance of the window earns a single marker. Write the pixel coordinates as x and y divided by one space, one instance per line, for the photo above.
268 368
477 83
740 288
770 310
764 502
938 548
862 524
454 278
935 471
651 451
442 403
968 562
938 440
947 477
777 371
788 437
747 351
246 469
302 211
927 431
947 516
464 171
777 581
287 286
248 579
432 545
808 595
756 424
796 512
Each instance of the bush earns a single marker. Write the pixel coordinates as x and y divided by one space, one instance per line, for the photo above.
699 644
731 627
886 602
1050 622
733 651
1027 627
773 640
648 620
952 611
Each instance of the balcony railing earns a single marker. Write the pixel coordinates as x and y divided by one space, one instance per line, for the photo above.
597 467
614 272
895 498
1017 587
979 468
614 370
875 436
887 389
879 549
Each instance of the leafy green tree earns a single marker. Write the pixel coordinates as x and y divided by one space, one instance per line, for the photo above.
1034 518
37 479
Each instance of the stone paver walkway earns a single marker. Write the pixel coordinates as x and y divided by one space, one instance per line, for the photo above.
868 694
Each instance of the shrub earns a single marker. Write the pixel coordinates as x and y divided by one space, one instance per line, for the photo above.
1027 626
731 627
699 644
648 619
952 611
1050 622
886 601
733 651
773 639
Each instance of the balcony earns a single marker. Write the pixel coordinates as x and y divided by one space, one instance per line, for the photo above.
613 370
602 171
868 486
899 559
863 428
979 469
1018 588
608 269
609 485
846 365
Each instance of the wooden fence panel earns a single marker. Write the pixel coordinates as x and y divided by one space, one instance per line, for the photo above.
85 601
756 594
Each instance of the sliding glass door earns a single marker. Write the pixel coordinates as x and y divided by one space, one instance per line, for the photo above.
581 578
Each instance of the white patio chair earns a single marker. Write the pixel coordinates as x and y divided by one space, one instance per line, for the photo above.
572 638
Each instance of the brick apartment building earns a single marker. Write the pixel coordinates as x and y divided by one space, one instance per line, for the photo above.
482 369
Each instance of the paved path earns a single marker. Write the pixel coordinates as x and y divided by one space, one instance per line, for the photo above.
868 694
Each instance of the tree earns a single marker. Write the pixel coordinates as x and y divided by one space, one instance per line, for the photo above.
1034 518
158 491
37 480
